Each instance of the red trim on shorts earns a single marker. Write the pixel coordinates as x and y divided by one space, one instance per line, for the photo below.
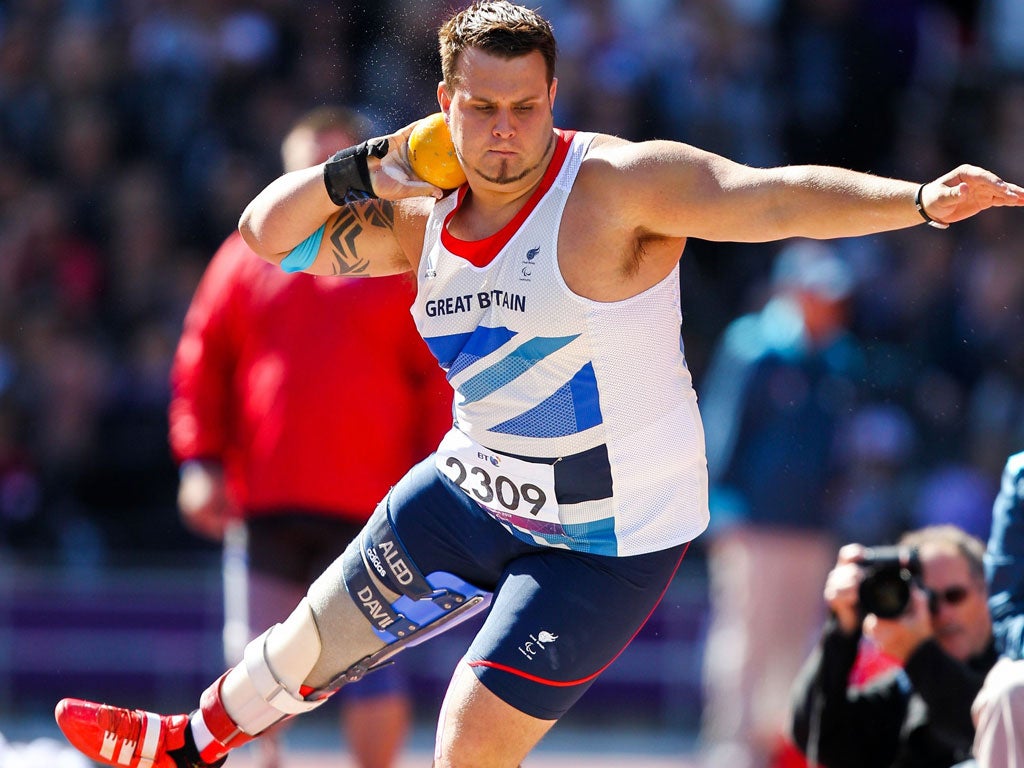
480 253
588 678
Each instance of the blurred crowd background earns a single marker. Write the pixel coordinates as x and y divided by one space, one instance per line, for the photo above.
133 132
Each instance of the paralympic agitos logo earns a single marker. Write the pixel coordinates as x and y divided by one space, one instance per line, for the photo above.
536 644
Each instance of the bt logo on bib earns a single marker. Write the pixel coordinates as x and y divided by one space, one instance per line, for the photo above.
494 461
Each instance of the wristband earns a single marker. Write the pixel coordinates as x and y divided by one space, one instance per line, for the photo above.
924 214
347 171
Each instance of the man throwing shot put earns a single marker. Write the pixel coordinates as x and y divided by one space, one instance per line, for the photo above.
566 493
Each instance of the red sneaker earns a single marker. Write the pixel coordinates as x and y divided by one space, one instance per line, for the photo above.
127 738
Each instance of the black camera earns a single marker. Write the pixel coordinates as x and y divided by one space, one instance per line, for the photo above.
889 574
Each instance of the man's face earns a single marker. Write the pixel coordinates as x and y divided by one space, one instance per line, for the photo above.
962 624
500 116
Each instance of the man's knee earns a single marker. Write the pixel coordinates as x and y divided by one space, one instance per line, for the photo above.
478 728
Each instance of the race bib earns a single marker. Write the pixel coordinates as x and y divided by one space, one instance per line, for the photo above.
518 492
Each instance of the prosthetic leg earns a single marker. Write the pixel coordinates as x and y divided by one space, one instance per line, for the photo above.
369 605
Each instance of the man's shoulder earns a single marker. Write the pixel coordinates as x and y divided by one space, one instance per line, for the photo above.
601 171
635 176
606 151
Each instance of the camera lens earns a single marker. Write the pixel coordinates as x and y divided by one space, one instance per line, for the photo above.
885 592
889 573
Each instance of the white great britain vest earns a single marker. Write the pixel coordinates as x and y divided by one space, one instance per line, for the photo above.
576 422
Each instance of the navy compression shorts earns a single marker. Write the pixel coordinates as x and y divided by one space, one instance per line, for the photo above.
558 617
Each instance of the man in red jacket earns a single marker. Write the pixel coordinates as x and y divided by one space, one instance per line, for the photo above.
282 456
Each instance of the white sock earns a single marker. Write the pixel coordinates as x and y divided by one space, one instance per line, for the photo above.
200 732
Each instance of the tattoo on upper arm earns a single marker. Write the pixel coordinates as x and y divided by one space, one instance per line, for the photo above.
352 221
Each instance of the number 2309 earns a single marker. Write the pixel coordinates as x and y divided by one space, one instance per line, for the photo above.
478 482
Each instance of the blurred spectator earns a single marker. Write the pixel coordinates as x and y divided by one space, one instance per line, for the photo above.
281 456
837 56
999 709
957 494
711 78
917 715
1002 26
778 385
873 494
21 526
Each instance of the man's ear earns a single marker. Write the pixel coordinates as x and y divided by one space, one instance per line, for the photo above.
444 98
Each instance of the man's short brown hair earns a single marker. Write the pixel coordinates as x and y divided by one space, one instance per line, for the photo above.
499 28
970 548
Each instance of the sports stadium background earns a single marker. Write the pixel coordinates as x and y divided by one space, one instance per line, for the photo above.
133 132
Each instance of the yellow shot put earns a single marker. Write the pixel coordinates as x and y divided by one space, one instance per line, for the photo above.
432 154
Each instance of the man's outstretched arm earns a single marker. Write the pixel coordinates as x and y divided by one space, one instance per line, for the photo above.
678 190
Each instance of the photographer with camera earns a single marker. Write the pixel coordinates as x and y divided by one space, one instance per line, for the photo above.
923 604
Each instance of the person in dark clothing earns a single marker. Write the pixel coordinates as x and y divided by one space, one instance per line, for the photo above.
917 714
999 708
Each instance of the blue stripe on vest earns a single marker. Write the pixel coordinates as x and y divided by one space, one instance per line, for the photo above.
571 409
458 351
446 348
483 341
518 362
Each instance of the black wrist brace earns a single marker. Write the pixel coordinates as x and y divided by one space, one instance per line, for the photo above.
346 171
